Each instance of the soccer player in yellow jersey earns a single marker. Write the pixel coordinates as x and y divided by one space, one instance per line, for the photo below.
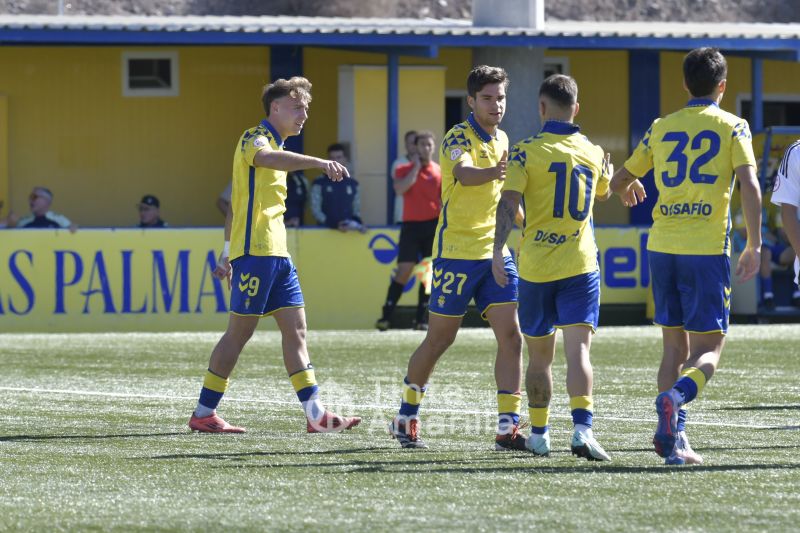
264 279
695 153
559 174
473 163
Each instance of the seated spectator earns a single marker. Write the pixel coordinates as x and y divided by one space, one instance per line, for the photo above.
775 250
150 213
224 199
10 216
296 198
40 216
337 204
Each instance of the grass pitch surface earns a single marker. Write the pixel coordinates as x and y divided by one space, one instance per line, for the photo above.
94 436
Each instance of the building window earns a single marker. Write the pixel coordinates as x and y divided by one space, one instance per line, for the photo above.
149 74
779 110
555 65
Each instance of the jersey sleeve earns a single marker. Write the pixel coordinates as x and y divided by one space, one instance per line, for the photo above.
787 182
252 144
742 146
641 160
516 172
457 148
604 179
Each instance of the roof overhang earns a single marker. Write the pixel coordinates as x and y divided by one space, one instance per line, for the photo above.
404 36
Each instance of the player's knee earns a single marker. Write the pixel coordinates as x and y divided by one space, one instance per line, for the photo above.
236 339
510 340
439 343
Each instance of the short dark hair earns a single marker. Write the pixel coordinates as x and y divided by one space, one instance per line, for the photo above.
561 89
484 75
703 69
425 135
410 133
296 87
337 147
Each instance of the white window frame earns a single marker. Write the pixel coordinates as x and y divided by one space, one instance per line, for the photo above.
557 60
129 92
766 97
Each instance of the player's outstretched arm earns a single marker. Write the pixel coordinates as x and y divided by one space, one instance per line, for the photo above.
469 176
750 259
507 210
292 161
628 187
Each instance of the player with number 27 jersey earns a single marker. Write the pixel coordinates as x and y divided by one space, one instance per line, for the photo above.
694 154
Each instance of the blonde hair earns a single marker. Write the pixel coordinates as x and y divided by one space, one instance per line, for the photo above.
296 87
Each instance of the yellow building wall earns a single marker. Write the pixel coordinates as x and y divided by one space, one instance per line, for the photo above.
421 107
321 67
780 77
70 129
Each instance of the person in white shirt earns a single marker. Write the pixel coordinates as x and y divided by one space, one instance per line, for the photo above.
786 194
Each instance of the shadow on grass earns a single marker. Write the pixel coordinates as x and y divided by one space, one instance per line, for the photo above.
235 456
716 449
778 407
531 467
22 438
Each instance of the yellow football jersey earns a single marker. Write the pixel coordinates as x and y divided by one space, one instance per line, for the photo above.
559 172
693 152
258 197
467 220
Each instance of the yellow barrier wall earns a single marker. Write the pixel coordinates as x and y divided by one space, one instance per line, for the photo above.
160 280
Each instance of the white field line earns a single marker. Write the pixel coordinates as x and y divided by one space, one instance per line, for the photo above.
392 407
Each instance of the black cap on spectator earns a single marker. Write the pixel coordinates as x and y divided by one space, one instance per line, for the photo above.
149 199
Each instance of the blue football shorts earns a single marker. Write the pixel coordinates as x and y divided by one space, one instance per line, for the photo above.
458 281
691 291
561 303
262 285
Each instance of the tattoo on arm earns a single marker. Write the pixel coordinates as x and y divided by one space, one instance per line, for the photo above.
506 212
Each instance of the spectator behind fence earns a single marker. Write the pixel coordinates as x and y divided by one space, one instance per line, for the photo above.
410 140
150 213
419 184
337 204
40 216
296 198
224 200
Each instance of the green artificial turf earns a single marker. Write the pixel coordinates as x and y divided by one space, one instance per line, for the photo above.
93 436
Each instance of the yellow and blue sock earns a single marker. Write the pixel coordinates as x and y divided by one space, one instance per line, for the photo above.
581 412
539 418
682 419
690 384
214 387
305 385
508 404
411 398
